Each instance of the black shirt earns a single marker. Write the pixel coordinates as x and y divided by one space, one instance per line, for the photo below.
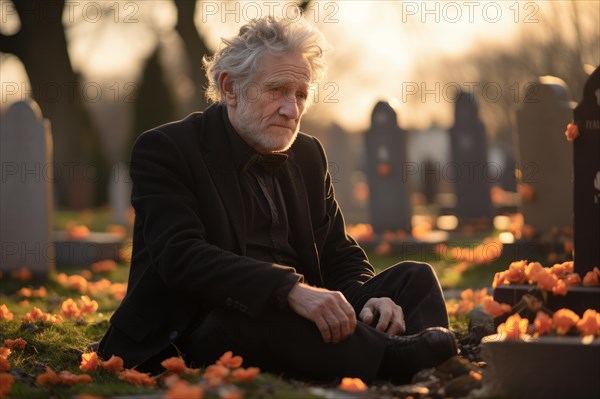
268 234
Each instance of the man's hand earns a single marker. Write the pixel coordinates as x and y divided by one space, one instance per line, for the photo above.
329 310
391 316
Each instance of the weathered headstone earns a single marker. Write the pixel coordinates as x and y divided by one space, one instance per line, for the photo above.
428 154
543 158
586 177
119 193
341 164
26 193
385 143
469 150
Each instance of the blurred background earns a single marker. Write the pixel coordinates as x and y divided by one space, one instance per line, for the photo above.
105 71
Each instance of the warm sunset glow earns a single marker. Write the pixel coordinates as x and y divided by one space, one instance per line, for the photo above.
378 49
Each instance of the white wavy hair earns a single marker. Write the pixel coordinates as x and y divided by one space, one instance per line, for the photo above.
240 56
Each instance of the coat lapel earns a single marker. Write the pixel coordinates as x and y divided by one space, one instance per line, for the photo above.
296 200
223 171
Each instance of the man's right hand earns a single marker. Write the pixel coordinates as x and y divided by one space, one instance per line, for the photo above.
329 310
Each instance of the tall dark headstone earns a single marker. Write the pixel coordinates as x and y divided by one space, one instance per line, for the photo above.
469 148
385 143
586 177
544 159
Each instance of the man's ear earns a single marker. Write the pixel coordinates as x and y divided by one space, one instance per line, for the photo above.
226 89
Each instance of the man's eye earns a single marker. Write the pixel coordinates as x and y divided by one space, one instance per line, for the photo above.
301 94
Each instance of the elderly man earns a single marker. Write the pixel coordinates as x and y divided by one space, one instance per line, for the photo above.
239 243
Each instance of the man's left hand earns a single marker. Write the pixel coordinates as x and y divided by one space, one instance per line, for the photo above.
391 316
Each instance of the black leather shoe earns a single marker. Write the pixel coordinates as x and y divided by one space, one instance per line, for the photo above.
405 355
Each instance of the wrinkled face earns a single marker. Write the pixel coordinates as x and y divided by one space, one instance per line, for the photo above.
267 112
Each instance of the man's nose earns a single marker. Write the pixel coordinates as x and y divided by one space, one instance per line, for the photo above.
289 107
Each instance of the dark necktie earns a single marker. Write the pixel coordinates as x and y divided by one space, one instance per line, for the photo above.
271 163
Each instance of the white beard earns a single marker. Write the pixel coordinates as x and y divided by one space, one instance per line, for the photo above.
249 129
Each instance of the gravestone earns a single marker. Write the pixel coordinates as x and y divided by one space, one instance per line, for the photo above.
385 144
341 165
119 193
26 193
469 148
544 159
586 177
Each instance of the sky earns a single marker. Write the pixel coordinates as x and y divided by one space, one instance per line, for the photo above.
375 45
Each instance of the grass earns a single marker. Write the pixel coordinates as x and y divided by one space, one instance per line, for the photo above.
60 346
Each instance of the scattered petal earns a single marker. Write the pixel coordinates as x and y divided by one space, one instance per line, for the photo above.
496 308
89 361
352 385
4 364
514 327
245 375
228 360
563 320
589 324
113 365
5 314
592 278
543 322
6 381
104 266
49 377
135 377
68 378
572 132
18 343
174 364
184 390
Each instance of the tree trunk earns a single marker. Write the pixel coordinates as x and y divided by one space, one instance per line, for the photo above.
195 48
41 46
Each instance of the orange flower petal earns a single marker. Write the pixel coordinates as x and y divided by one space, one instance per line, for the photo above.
114 364
6 381
228 360
4 364
560 288
5 314
352 385
514 327
68 378
48 378
69 309
89 361
184 390
563 320
5 352
18 343
543 322
87 305
496 308
135 377
104 266
590 322
245 375
572 279
216 371
572 132
592 278
174 364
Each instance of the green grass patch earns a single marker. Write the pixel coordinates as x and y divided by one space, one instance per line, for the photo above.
60 346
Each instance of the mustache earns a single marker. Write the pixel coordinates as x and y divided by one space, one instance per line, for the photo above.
284 123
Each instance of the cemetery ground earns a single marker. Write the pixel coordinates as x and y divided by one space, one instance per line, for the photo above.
75 304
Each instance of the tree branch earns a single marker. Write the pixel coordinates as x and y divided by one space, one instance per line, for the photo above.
9 44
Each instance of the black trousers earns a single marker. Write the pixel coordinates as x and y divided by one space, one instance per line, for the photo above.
283 342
